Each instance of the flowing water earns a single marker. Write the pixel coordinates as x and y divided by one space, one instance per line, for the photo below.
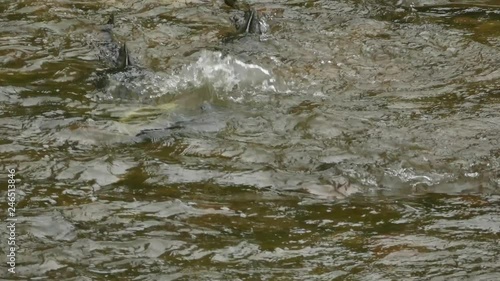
356 140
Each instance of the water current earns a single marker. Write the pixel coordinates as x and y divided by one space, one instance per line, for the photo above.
355 140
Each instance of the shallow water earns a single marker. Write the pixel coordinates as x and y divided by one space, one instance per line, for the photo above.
357 140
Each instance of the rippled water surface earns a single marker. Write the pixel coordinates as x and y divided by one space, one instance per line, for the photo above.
356 140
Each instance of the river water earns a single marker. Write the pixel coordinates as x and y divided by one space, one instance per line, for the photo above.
356 140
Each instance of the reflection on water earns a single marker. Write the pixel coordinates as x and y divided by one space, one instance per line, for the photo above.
354 141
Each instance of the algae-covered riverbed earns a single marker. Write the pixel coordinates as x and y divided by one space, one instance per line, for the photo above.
355 140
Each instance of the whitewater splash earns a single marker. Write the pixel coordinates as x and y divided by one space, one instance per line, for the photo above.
228 77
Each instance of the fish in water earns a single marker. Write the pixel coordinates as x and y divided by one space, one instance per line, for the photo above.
207 121
231 3
111 51
250 22
124 79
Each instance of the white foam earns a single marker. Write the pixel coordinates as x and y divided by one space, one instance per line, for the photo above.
230 77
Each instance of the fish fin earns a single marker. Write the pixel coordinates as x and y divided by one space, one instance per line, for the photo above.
111 20
123 57
249 22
